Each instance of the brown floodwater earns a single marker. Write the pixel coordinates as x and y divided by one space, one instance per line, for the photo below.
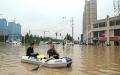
87 60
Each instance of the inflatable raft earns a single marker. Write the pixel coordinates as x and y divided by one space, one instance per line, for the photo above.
62 62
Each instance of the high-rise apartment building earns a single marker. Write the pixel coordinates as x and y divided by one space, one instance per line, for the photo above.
3 26
89 17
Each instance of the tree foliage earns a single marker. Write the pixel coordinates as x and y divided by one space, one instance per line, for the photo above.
3 38
34 38
68 37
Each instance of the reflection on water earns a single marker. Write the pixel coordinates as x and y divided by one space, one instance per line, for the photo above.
87 60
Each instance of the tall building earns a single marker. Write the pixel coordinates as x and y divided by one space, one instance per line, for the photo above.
3 27
89 17
14 32
14 28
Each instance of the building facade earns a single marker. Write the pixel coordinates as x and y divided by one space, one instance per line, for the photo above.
105 31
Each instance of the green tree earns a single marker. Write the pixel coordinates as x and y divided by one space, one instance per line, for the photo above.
68 37
27 38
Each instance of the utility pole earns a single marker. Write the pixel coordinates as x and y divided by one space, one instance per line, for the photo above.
72 23
45 33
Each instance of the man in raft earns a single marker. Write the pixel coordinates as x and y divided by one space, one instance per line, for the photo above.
52 53
30 51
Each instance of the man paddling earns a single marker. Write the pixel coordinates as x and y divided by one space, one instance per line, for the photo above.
30 51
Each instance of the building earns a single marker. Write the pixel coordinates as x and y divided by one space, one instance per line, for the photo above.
14 32
105 31
89 17
3 26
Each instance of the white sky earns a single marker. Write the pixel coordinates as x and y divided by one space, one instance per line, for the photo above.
46 15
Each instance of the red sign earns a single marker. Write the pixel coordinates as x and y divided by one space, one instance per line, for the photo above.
102 35
114 38
119 38
102 38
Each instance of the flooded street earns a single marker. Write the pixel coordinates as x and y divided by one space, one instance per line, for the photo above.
87 60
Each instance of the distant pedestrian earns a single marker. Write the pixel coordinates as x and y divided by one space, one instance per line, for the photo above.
63 43
50 41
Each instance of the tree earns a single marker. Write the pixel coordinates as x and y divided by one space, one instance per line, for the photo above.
27 38
68 37
31 38
36 39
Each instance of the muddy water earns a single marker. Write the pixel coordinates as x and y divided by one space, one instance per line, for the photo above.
87 60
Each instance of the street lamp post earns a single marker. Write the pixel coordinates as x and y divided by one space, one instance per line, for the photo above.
44 34
72 23
56 35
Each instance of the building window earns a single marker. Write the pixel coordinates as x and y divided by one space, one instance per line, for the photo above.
95 25
118 22
117 32
95 34
112 23
103 24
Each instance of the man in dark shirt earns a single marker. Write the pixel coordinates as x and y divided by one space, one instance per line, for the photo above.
30 51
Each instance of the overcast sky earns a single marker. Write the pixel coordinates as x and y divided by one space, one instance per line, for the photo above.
47 15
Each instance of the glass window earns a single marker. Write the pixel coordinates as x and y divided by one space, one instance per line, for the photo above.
95 34
103 24
95 25
112 23
118 22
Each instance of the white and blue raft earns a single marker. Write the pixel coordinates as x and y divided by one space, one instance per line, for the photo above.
62 62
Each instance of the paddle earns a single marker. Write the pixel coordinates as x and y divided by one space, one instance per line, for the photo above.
40 57
36 68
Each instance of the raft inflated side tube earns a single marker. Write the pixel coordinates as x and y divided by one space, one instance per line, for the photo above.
69 61
62 62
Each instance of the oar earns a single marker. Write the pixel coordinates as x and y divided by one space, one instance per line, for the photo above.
36 68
